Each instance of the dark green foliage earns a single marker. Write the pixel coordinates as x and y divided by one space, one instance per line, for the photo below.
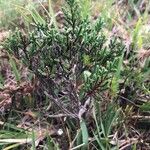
72 64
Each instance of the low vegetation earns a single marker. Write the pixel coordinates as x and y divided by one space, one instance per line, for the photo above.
77 75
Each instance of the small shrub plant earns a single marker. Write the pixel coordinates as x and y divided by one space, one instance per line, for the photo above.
76 65
77 61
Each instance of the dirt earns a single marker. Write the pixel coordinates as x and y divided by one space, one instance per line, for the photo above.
3 35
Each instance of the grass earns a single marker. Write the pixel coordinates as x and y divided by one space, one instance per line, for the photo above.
112 117
9 15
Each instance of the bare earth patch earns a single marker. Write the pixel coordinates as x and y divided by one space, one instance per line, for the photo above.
3 35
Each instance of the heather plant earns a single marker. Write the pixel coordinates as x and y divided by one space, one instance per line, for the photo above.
77 66
77 61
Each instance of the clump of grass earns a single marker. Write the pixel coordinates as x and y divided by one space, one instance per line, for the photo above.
8 14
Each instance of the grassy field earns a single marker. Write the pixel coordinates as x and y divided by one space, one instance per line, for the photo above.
75 75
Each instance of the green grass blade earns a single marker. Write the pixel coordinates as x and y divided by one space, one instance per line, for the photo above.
85 135
111 116
99 142
10 147
33 140
115 80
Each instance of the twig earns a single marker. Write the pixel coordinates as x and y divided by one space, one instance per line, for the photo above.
127 143
59 115
128 100
60 105
141 117
84 108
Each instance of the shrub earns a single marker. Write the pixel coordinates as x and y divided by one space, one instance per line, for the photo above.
74 64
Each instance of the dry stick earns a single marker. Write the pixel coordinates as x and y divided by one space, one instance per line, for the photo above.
128 143
128 100
59 115
59 104
84 108
141 117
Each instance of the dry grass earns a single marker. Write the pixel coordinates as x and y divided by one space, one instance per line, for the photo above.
3 35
